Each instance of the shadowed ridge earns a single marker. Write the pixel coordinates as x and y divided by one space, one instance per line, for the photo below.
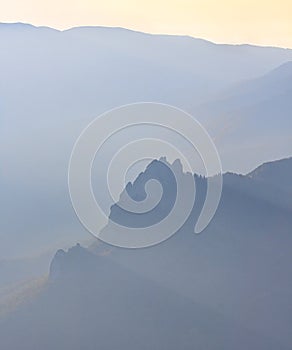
64 264
276 173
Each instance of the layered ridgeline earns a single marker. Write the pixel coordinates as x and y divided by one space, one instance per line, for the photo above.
53 83
227 288
254 117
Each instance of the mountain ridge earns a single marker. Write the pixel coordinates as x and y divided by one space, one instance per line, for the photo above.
230 283
29 25
53 85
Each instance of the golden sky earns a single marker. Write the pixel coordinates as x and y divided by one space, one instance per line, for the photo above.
262 22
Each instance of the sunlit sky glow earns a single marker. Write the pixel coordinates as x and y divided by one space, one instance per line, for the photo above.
262 22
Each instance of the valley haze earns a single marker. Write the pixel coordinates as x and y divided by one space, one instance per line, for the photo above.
227 288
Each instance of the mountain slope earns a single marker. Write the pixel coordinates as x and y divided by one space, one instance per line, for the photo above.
239 265
115 308
254 117
54 83
227 288
276 173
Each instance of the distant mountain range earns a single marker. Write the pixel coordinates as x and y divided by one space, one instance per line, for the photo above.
53 83
229 287
254 117
86 70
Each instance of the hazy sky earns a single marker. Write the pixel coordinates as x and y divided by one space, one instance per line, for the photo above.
263 22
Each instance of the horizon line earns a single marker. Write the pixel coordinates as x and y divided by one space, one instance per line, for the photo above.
146 33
